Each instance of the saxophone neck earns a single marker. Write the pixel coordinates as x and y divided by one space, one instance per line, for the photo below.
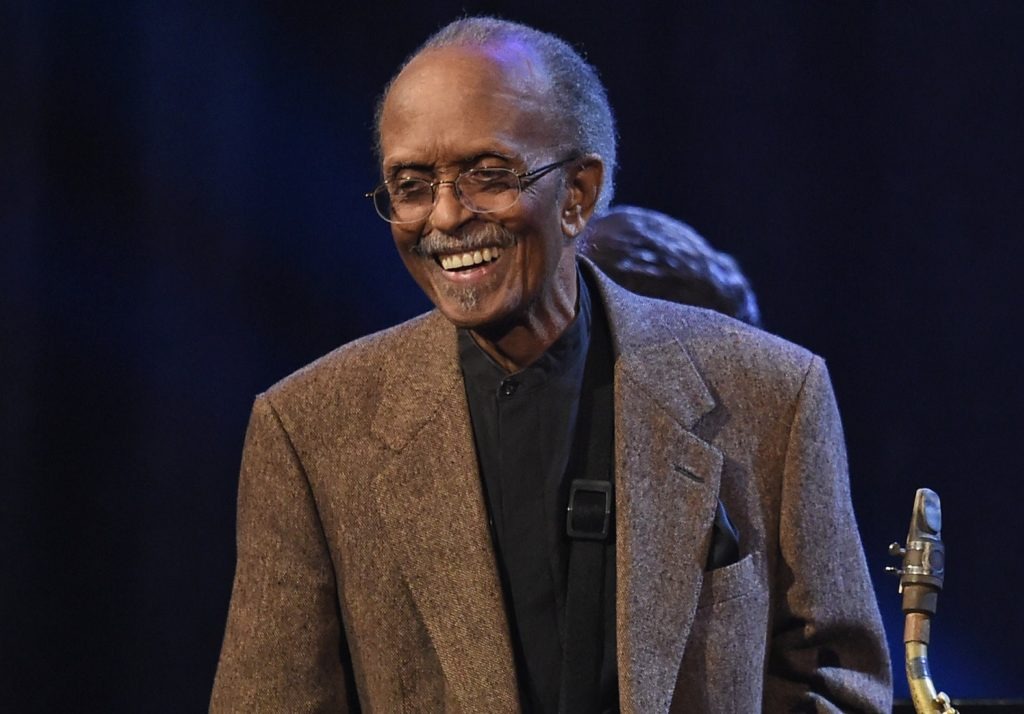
921 574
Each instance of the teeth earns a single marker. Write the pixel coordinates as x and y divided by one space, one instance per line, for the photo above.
466 260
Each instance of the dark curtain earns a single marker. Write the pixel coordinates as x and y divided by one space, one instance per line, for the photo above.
183 224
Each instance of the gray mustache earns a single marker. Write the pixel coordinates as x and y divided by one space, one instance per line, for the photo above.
487 236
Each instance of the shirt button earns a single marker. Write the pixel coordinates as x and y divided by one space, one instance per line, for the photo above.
508 387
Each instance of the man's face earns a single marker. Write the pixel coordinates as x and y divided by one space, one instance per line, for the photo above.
455 109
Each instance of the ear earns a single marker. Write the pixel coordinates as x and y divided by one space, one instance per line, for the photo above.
584 183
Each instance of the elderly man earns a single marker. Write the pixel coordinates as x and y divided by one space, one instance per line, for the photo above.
548 494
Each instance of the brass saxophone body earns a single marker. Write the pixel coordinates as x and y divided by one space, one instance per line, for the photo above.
921 577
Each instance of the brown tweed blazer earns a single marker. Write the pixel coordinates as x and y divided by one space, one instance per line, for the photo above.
364 558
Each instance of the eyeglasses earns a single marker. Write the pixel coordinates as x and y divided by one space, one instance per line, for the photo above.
485 190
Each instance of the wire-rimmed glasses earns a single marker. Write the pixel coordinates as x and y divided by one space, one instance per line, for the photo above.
406 199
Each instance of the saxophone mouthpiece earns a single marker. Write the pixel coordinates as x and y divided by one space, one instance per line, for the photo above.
924 557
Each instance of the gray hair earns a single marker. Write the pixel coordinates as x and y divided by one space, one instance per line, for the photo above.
578 101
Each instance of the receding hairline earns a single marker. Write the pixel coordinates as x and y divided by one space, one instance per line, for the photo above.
525 67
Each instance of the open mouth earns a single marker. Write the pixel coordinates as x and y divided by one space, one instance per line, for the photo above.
468 260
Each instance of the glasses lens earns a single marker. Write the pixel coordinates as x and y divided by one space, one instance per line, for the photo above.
488 190
403 200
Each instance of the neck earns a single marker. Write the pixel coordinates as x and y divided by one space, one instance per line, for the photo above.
517 346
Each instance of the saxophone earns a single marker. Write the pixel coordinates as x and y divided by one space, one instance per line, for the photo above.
921 574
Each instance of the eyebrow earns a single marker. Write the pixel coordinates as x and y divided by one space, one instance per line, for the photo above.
467 161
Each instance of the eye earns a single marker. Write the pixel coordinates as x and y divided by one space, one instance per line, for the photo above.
486 179
406 188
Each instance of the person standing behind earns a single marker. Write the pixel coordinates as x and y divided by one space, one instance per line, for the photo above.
653 254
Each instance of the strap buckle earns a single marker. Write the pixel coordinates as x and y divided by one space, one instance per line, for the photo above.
589 514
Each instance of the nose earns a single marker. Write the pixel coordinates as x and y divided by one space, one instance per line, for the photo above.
448 213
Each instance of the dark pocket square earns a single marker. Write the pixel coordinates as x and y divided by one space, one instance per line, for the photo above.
725 541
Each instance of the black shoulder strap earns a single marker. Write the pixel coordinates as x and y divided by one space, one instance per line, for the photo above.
590 520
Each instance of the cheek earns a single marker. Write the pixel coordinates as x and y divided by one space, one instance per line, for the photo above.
404 240
418 271
545 251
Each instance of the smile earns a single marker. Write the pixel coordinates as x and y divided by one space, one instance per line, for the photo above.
469 259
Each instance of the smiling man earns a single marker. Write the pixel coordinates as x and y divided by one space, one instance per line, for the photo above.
468 127
549 494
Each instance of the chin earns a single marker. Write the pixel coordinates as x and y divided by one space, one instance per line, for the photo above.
466 319
477 316
457 302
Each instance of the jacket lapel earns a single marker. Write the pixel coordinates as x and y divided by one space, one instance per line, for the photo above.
667 482
432 510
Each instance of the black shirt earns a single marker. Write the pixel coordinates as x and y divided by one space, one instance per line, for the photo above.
523 424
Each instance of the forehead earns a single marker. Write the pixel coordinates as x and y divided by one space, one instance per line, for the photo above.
452 103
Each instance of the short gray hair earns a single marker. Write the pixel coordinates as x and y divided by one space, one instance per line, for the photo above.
578 101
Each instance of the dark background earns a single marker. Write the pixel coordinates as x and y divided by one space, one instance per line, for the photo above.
183 224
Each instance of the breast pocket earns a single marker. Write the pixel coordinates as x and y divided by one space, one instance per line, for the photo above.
732 581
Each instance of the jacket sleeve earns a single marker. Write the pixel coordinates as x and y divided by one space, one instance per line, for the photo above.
283 647
828 650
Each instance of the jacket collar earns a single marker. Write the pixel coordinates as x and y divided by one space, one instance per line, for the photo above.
647 350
